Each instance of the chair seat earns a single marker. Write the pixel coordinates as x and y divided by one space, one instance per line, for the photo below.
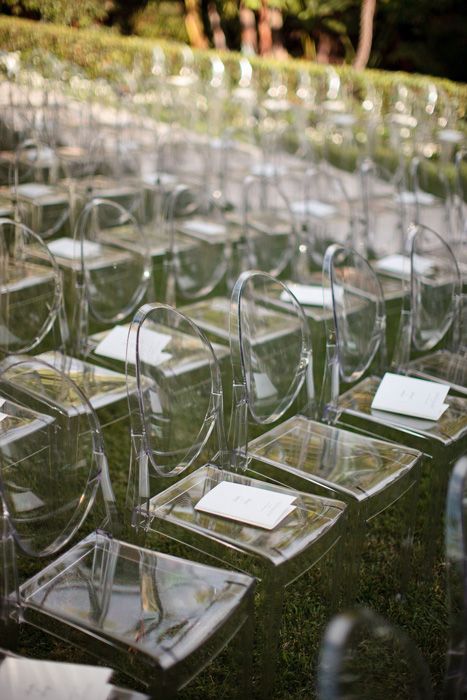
102 386
449 428
27 293
357 466
212 316
162 606
311 520
443 366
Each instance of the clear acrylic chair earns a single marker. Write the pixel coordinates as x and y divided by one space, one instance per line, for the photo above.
107 273
433 197
199 245
272 363
33 318
325 213
267 236
356 356
177 431
387 208
364 657
32 315
40 201
156 618
431 317
455 682
269 226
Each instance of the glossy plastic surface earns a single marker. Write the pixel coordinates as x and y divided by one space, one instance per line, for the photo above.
364 657
359 319
30 289
172 385
50 476
194 271
116 277
456 560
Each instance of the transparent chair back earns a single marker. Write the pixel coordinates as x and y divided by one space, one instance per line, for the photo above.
275 126
269 227
38 201
388 207
31 297
433 196
456 567
183 87
460 206
115 267
432 305
186 159
51 457
178 404
364 657
325 212
271 355
196 267
356 331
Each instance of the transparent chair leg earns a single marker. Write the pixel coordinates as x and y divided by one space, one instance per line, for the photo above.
242 658
434 484
269 617
353 549
9 607
404 561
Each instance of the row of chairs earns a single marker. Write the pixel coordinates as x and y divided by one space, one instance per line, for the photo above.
341 463
259 299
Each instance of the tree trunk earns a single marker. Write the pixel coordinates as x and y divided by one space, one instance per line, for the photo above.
249 37
218 35
194 25
276 22
264 30
367 13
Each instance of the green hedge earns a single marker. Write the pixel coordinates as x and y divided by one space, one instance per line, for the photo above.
98 51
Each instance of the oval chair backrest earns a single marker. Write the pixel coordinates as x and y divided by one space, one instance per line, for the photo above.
358 322
51 453
196 264
269 226
270 350
387 208
178 402
32 174
115 260
31 289
436 289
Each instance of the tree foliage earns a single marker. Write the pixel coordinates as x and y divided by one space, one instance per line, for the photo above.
426 36
80 13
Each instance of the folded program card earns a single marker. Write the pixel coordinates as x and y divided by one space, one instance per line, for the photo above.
151 344
29 679
203 227
400 264
313 207
71 249
247 504
409 197
33 190
309 294
264 388
411 397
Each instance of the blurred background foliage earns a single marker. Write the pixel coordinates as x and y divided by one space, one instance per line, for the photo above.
425 36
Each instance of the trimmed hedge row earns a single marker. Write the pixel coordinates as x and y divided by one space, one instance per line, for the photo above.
99 51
